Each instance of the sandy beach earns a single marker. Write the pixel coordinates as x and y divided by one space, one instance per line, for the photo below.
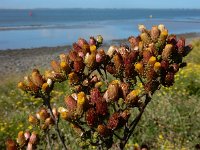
15 63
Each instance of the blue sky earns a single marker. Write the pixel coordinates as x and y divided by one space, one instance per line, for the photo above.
100 4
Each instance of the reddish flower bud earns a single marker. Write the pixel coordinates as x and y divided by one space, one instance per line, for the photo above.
164 64
113 121
27 135
33 138
11 145
101 107
79 65
91 117
169 79
111 69
92 41
175 68
146 56
76 47
71 103
82 42
73 55
133 41
171 39
181 44
95 95
100 56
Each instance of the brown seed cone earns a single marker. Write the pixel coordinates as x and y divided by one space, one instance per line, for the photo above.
102 108
113 121
145 38
11 144
37 78
91 117
70 103
113 92
103 130
118 61
167 51
55 66
155 33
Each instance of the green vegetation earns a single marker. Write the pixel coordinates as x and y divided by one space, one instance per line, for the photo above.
171 120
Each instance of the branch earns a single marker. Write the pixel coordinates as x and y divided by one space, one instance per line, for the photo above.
134 123
56 120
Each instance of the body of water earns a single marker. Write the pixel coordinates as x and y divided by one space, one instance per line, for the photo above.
54 27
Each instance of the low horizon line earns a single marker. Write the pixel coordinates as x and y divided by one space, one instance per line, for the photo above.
91 8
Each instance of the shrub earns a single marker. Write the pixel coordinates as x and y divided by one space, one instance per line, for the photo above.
109 90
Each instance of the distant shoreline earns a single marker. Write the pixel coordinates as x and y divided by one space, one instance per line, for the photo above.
20 61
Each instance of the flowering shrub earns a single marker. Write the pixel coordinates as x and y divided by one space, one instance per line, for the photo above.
106 87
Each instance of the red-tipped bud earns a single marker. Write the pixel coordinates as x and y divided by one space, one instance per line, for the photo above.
73 55
79 65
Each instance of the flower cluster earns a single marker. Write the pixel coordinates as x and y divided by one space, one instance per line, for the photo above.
99 107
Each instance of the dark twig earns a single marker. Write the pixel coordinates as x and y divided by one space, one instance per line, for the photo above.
56 120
